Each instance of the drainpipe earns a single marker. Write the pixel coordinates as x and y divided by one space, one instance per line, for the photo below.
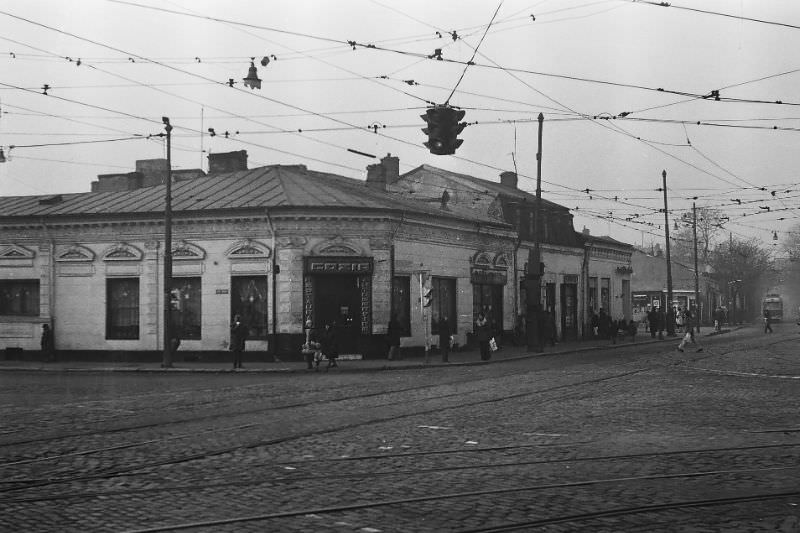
51 276
274 341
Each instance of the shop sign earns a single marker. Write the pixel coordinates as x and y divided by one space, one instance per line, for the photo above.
338 265
485 276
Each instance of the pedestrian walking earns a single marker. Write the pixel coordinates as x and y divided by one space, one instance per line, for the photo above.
719 316
393 339
48 344
444 338
603 324
688 336
767 321
238 338
330 345
482 335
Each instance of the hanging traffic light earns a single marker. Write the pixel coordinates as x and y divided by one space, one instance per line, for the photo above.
443 128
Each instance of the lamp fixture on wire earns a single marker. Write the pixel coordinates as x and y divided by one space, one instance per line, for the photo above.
252 80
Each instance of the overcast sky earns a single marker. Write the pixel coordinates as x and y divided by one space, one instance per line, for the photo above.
580 63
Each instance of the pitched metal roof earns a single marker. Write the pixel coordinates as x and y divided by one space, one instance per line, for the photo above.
276 186
491 187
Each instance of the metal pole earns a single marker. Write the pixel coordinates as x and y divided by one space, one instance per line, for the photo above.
533 289
696 272
166 361
666 228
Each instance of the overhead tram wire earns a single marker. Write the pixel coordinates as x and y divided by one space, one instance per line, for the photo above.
180 70
420 55
508 70
715 13
142 84
474 53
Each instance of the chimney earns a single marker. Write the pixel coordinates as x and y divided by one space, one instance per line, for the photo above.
153 171
586 231
508 179
117 182
227 162
391 168
383 174
375 177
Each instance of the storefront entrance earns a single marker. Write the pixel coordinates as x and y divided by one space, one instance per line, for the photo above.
569 311
338 291
337 301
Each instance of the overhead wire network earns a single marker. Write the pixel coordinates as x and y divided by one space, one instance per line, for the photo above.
475 162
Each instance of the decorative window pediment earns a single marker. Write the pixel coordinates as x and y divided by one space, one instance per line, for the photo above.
122 251
248 249
501 261
76 254
14 251
482 259
337 246
184 251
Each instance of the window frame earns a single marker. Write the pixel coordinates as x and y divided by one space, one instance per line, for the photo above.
256 331
33 286
113 331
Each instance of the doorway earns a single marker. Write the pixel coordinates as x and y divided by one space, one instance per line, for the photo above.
337 301
569 311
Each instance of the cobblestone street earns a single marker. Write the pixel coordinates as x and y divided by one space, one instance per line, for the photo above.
636 438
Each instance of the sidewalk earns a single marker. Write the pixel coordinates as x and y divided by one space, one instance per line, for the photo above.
460 358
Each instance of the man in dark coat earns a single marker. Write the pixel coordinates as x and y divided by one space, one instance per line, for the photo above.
482 335
329 345
48 345
444 338
652 322
662 323
393 339
238 337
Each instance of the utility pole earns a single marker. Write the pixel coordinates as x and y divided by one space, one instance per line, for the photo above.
666 229
166 361
533 291
696 272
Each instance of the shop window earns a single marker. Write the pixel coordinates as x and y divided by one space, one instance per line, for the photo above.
401 303
605 291
19 297
122 308
249 300
443 303
186 300
593 295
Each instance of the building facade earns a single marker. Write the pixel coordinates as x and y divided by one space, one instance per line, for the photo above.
283 245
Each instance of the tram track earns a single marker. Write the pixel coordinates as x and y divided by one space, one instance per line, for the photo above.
270 479
11 484
20 484
485 495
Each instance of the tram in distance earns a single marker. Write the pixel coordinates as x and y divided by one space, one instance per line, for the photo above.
774 304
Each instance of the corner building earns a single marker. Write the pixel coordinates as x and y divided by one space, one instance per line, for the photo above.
281 245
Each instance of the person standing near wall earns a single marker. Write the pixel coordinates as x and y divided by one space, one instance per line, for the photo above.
330 345
482 336
393 339
48 344
238 338
444 338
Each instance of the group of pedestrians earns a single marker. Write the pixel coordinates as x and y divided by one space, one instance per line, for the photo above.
604 327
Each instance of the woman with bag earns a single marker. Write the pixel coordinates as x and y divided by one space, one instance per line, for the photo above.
482 335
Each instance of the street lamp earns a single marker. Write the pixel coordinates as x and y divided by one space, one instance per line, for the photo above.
166 361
